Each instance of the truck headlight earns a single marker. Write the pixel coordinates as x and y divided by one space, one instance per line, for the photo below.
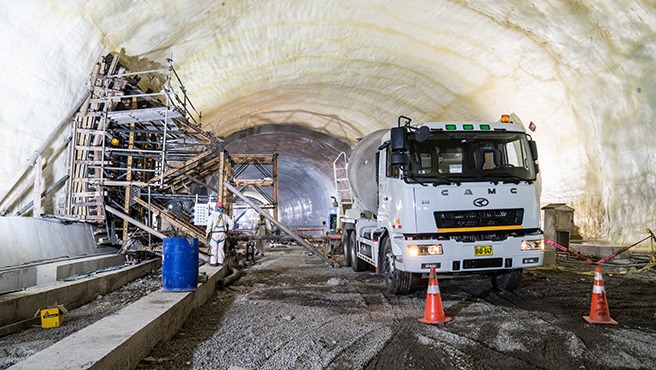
423 250
532 245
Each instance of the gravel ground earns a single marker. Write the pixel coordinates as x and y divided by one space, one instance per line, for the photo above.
19 346
290 311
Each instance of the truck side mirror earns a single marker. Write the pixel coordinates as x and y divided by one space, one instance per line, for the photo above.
398 137
397 159
534 149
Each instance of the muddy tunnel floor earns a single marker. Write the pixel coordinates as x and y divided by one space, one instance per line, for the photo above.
291 311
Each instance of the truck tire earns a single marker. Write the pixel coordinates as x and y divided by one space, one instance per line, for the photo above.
507 280
346 261
397 282
356 263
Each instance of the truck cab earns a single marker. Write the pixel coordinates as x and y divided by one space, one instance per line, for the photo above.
463 197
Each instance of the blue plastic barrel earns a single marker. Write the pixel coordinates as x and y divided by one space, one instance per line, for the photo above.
179 265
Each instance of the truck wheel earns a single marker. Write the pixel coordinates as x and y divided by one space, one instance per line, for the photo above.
507 280
397 282
356 263
346 261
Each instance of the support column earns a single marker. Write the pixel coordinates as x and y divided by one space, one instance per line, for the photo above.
38 185
219 194
128 188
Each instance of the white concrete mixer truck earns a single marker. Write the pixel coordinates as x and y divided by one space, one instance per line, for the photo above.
461 196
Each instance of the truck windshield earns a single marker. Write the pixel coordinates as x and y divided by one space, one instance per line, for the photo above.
471 156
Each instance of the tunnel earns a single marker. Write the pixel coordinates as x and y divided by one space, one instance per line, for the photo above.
308 79
305 160
304 82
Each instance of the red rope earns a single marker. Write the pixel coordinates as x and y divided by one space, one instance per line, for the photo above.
601 261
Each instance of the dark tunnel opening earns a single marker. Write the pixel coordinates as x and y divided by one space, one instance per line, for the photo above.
305 169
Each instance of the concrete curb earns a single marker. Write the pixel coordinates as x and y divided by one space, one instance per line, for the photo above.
121 340
25 276
19 306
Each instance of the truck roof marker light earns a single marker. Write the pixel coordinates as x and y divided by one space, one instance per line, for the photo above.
468 127
505 118
485 127
396 224
450 127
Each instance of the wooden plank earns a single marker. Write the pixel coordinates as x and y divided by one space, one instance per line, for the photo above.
85 204
252 158
38 185
91 162
221 196
181 167
128 189
185 226
87 194
254 182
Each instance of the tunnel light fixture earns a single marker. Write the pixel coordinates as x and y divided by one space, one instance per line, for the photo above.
505 118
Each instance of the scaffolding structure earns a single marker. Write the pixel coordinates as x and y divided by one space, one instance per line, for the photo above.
266 184
141 153
139 162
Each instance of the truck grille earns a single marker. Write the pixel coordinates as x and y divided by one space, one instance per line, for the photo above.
479 218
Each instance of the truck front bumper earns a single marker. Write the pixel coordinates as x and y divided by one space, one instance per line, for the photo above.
463 258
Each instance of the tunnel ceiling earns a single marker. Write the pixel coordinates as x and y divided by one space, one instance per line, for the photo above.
582 71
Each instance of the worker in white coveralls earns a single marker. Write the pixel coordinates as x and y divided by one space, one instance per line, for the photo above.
262 229
218 225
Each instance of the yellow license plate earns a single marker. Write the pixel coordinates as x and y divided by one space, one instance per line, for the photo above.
482 250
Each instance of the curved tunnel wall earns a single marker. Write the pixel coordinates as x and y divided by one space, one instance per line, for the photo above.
583 72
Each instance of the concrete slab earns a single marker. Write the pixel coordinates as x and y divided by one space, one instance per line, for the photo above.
29 275
65 269
597 252
121 340
22 305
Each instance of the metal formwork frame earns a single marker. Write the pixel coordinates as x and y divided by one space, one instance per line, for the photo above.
269 178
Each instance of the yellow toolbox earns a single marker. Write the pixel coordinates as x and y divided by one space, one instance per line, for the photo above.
50 317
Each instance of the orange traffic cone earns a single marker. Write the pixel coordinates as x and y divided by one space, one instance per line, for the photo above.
434 313
599 313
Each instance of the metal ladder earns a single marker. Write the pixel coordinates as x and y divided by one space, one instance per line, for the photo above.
340 175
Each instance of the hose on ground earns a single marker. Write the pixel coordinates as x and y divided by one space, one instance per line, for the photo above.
223 283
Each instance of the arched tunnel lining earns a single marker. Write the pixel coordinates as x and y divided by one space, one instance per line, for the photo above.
305 168
558 64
